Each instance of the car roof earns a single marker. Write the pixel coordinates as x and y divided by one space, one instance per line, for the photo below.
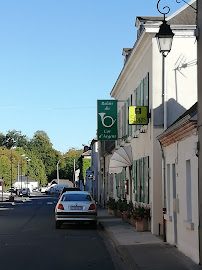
76 192
71 188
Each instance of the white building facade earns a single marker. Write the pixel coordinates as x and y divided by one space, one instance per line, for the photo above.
180 146
140 84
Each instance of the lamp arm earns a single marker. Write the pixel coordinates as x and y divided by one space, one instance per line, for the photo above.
166 7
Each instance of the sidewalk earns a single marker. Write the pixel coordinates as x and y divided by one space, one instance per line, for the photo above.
142 250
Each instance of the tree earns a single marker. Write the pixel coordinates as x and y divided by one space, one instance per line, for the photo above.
67 164
41 146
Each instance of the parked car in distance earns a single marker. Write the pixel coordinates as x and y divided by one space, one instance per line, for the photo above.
76 207
65 189
56 189
36 189
25 192
43 189
19 192
11 190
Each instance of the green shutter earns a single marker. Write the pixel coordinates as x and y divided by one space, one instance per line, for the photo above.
135 179
147 90
117 185
142 176
139 95
122 117
122 183
139 100
142 93
128 119
138 180
146 179
135 104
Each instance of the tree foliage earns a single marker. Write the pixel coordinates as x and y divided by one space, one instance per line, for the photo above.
67 163
44 158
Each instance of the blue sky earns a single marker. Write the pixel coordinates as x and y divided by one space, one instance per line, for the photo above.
57 57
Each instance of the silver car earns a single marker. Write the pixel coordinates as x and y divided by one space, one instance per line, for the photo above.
26 192
76 206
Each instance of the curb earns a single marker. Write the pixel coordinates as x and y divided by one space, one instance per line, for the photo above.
120 250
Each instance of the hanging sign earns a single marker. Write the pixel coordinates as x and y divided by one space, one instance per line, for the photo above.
138 115
107 120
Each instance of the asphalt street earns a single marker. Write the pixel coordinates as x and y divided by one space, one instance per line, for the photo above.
28 238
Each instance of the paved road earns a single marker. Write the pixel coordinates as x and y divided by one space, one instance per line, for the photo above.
28 238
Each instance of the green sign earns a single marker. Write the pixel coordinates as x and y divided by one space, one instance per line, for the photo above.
107 120
138 115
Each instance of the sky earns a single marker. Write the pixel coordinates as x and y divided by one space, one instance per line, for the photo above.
58 57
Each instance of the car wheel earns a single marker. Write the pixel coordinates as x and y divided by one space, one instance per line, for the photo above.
57 224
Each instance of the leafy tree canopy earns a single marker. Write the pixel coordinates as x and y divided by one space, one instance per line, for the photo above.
44 158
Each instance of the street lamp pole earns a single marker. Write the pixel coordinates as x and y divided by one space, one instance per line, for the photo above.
21 169
58 177
28 159
164 40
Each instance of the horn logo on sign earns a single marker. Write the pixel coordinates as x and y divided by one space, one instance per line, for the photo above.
103 118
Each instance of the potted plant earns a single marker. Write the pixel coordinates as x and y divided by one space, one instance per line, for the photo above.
141 215
121 206
130 210
111 205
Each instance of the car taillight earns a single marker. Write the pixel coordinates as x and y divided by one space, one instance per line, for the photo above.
92 207
60 206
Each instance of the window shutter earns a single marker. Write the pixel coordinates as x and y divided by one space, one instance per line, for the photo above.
135 104
146 171
117 185
122 118
122 182
142 93
139 95
138 180
147 90
128 103
135 179
142 178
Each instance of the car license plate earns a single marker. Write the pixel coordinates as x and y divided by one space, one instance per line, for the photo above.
76 207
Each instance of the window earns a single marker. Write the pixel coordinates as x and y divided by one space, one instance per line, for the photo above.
141 97
141 179
76 197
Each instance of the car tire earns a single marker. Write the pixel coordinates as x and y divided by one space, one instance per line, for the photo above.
57 224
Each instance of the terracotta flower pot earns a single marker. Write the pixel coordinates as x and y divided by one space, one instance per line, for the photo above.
118 213
142 225
110 211
132 221
125 216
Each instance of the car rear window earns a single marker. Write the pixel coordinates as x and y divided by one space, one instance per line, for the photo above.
76 197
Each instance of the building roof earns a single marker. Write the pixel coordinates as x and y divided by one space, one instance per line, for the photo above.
184 16
182 128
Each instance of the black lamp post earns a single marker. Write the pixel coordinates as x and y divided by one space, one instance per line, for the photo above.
165 35
164 40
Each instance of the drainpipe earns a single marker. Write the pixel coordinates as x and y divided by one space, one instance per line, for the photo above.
163 190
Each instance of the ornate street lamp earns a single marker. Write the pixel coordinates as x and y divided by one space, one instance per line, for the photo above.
165 35
164 40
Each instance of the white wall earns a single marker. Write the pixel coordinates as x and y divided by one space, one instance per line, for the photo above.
187 231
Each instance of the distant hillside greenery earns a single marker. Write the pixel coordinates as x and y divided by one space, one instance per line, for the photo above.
42 167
